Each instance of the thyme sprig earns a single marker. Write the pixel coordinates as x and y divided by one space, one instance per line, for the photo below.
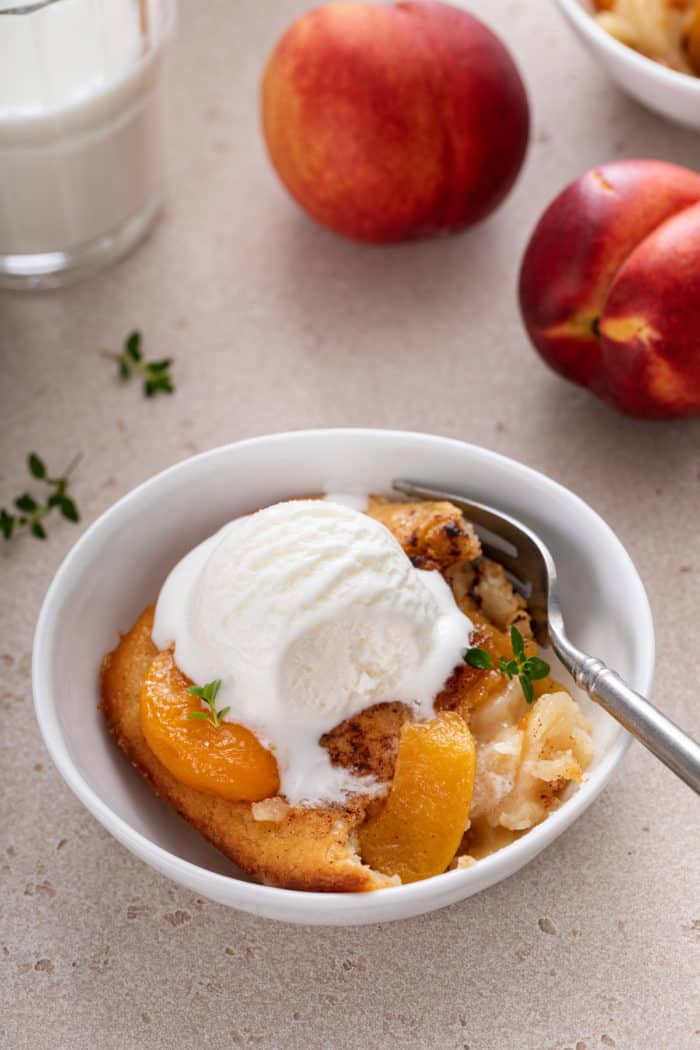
155 374
208 694
527 669
28 512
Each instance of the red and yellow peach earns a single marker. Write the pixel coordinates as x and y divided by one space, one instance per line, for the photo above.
610 286
388 122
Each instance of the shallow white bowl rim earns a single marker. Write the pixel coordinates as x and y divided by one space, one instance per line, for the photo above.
416 897
587 24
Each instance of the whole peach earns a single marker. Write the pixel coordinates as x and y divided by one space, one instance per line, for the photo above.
610 286
388 122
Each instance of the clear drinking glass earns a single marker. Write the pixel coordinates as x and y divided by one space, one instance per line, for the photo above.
80 133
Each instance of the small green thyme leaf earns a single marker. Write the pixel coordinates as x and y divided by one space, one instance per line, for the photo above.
69 509
36 466
7 524
516 640
508 667
526 685
478 658
26 503
535 668
132 346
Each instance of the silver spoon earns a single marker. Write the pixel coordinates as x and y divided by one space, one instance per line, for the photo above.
531 568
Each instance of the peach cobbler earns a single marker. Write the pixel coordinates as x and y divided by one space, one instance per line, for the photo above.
345 699
667 31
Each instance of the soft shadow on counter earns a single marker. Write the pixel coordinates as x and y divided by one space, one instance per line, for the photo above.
574 429
328 280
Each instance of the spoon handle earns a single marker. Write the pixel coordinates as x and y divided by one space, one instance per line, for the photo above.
658 733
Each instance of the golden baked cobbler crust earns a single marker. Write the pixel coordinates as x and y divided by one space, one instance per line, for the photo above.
309 849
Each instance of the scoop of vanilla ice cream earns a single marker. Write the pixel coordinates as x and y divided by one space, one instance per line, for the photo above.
309 611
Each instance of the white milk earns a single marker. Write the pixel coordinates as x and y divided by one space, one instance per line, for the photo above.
79 122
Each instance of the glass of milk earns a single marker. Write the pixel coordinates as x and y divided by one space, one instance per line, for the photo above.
80 157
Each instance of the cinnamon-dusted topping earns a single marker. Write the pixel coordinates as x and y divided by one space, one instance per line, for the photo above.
368 743
433 534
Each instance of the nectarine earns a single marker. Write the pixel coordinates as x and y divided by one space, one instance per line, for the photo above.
393 121
610 286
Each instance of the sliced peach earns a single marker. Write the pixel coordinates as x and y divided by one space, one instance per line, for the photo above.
228 761
418 830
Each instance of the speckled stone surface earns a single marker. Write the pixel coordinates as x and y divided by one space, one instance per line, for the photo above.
276 324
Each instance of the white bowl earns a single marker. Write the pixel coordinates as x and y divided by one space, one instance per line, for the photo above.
673 95
118 565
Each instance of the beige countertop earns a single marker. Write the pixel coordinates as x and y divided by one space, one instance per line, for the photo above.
276 324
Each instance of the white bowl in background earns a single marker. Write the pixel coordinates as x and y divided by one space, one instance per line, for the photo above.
672 94
119 564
